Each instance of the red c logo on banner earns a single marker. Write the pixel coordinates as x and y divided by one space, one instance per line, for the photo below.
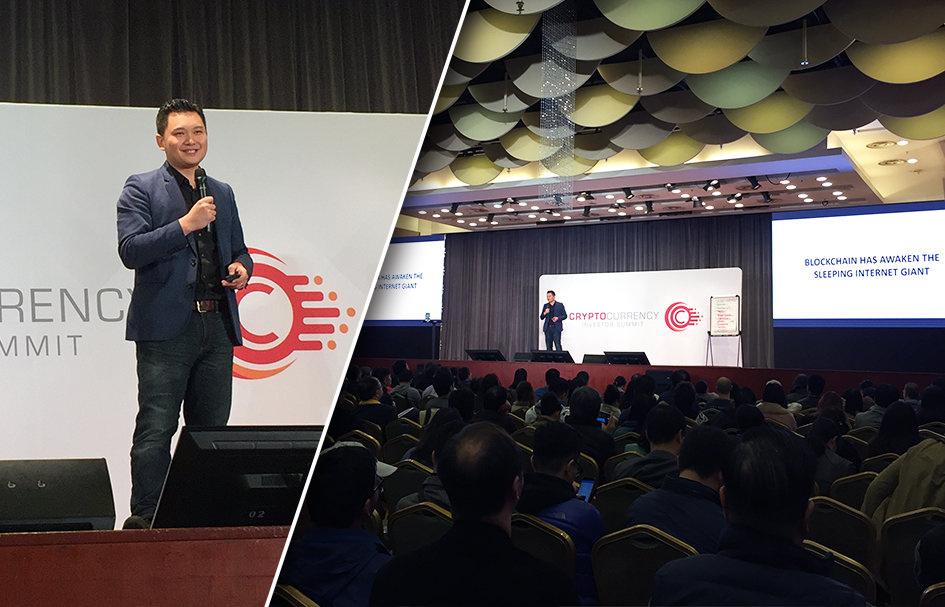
679 316
265 355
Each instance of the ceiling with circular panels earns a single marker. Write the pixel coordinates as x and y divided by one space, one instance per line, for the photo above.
659 84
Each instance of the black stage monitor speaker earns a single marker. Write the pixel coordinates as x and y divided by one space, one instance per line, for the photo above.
522 357
663 379
236 476
55 495
551 356
595 359
627 358
486 355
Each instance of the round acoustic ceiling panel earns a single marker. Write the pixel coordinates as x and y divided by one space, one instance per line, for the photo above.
446 136
714 129
475 170
625 77
600 105
826 87
842 116
572 167
647 14
638 130
489 34
594 146
461 72
514 7
792 140
737 86
526 74
497 154
676 107
675 149
774 113
705 47
476 122
448 96
525 145
885 22
901 63
600 38
785 50
906 100
433 159
501 96
763 12
926 126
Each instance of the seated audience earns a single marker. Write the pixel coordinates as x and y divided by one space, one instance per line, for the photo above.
475 563
464 401
852 401
411 395
684 398
822 438
611 398
898 432
550 376
585 410
844 448
521 374
525 399
436 401
423 452
798 389
549 494
335 561
549 410
702 392
370 408
495 409
723 401
431 490
687 507
559 387
663 429
678 376
932 408
885 396
773 406
930 558
767 485
815 388
910 396
914 480
343 420
748 417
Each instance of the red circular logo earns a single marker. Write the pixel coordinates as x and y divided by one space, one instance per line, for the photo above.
679 316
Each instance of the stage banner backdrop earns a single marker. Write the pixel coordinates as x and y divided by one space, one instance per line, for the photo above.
315 225
664 314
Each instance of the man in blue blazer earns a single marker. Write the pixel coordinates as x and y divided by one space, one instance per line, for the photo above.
553 314
189 258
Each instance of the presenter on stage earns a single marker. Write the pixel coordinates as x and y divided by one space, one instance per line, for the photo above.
179 231
553 314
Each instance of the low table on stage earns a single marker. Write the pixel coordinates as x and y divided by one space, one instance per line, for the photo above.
231 566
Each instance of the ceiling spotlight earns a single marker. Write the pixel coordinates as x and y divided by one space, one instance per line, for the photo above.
791 187
766 197
802 195
510 200
902 142
444 210
543 219
837 193
754 183
622 213
621 200
495 223
422 212
454 207
685 196
649 207
612 209
587 211
639 207
912 160
711 185
522 203
672 188
609 196
581 198
841 197
821 179
716 192
627 193
826 184
474 224
535 208
734 197
567 217
436 216
738 205
695 200
510 210
785 181
709 207
532 216
458 214
460 221
498 205
556 214
584 197
808 200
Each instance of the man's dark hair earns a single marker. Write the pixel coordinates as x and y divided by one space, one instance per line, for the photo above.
769 480
701 386
380 373
611 395
368 387
774 393
663 423
176 106
705 450
684 397
748 416
442 383
494 398
620 381
344 477
679 375
559 386
800 381
911 391
549 404
585 406
464 401
405 376
551 375
816 385
398 366
444 433
462 374
886 395
555 445
866 384
552 292
477 468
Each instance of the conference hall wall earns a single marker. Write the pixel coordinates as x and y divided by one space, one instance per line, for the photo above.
68 377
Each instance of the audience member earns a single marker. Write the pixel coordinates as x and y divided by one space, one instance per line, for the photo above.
549 494
462 378
852 401
383 375
766 491
745 396
822 438
611 398
932 408
798 389
774 406
495 409
702 392
423 452
748 417
463 401
910 393
521 375
431 490
370 407
898 432
442 377
620 382
585 410
343 420
525 399
844 449
684 398
410 395
815 388
559 387
678 376
663 429
550 375
687 507
914 480
930 558
723 400
475 563
885 396
335 561
549 410
435 401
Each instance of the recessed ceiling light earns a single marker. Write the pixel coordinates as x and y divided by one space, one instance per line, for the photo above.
638 207
567 217
556 214
581 199
495 223
622 213
838 193
709 207
902 142
472 225
523 204
498 205
535 208
738 205
532 216
620 200
510 210
808 200
791 187
444 210
913 160
436 215
458 214
460 221
421 212
716 192
611 210
543 219
826 184
685 196
821 179
841 197
802 195
785 181
609 196
676 190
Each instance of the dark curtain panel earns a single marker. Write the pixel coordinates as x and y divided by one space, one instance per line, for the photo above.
324 55
490 293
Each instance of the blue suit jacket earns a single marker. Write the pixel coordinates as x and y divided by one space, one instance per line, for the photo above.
152 243
547 313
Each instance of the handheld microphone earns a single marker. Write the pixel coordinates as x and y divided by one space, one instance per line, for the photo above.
200 176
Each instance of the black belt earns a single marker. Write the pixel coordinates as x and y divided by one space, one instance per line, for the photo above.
207 305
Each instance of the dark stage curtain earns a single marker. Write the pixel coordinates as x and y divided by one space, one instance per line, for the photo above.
311 55
491 297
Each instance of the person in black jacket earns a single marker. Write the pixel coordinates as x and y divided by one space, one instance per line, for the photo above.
761 561
598 438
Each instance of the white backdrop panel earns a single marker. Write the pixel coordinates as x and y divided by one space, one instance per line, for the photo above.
66 372
665 314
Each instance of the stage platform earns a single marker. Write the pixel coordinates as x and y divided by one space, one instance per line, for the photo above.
142 568
603 374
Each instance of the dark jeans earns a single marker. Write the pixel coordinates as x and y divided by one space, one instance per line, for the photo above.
196 368
552 338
